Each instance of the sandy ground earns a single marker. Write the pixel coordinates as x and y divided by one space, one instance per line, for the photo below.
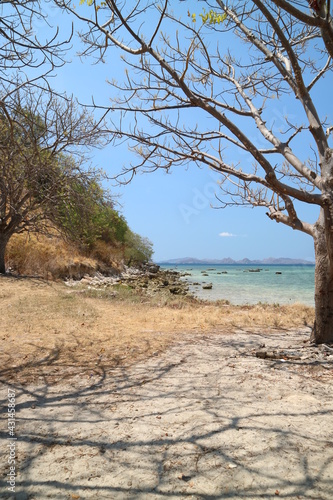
206 419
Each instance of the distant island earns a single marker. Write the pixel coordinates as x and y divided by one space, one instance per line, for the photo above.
282 261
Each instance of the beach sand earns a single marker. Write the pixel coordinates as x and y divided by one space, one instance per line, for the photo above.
197 415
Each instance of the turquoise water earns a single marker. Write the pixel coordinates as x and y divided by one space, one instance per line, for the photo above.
241 286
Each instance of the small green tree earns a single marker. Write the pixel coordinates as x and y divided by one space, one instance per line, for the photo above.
138 249
87 215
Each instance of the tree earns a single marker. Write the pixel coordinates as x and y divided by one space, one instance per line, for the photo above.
43 148
89 215
21 46
264 56
137 249
319 16
44 136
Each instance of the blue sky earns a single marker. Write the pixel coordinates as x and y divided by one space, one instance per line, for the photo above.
174 210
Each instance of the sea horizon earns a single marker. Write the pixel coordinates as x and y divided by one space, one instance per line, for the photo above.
285 261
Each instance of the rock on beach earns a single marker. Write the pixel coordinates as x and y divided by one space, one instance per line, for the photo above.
148 278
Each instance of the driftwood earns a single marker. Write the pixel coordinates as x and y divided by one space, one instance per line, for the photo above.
276 355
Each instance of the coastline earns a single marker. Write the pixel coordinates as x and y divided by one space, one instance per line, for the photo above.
49 325
146 280
242 284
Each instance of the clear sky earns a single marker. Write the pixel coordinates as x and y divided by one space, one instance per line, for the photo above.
175 210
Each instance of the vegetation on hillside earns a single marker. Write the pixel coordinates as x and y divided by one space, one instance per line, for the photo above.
47 188
55 217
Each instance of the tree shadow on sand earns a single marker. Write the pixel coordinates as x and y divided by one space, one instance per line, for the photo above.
206 420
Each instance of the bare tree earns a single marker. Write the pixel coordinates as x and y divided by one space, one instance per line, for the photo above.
44 135
176 65
319 16
43 165
21 46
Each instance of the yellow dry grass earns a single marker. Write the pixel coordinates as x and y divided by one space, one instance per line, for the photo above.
52 257
49 257
50 332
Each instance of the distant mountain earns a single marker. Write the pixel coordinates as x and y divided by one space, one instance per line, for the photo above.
282 261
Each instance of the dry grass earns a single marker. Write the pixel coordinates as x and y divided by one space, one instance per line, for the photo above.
49 257
51 332
52 257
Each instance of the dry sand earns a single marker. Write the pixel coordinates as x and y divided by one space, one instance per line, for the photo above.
204 419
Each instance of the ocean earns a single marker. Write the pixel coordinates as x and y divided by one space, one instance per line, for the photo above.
250 284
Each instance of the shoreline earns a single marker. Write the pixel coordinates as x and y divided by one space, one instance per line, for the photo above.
49 325
248 284
155 280
149 279
169 282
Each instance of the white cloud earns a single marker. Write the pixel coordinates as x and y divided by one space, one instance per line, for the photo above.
226 235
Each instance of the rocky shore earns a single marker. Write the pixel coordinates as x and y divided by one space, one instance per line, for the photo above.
148 279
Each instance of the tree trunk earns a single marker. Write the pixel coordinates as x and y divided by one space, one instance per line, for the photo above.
323 326
3 245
